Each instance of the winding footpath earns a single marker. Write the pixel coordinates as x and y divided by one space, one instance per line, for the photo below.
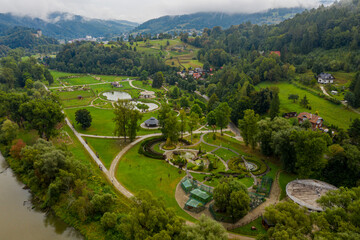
111 173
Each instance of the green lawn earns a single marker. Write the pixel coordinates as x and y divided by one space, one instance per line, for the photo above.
224 141
246 229
79 80
331 113
225 154
106 148
247 181
284 179
103 124
74 94
137 173
139 84
77 102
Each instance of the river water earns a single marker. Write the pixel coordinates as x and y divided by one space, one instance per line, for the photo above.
18 219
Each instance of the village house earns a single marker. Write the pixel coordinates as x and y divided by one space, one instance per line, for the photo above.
315 120
325 78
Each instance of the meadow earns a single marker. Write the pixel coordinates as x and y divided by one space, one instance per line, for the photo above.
331 113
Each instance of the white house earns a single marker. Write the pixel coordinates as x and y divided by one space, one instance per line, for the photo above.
325 78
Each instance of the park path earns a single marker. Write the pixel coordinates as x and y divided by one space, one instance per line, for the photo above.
111 173
324 91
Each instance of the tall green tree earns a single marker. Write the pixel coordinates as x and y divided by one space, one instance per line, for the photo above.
205 229
310 147
43 115
122 117
231 197
83 117
183 122
213 102
222 115
8 131
275 106
158 80
150 219
249 127
193 122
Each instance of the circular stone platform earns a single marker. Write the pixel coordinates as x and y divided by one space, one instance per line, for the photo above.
307 191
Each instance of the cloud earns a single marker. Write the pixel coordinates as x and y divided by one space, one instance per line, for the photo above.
142 10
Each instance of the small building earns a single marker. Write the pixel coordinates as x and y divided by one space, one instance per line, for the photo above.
333 92
201 196
325 78
290 114
187 186
116 84
194 205
276 52
147 94
266 223
315 120
152 122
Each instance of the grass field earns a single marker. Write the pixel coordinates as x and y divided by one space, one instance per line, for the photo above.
147 87
106 148
331 113
225 154
246 229
74 94
80 80
137 173
103 124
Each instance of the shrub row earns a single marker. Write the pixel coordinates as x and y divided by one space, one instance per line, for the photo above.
262 167
145 148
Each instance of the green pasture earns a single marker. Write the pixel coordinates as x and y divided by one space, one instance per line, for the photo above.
82 80
106 148
74 94
331 113
137 173
284 179
246 229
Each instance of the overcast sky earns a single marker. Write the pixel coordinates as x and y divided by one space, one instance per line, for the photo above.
142 10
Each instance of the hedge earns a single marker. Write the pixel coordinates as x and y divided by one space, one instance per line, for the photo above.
145 148
261 166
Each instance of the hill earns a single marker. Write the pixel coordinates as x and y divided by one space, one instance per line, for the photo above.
24 37
67 26
201 20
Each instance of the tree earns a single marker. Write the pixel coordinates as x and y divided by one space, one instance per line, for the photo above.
83 117
126 119
304 102
183 121
193 122
150 219
109 220
354 131
184 102
9 131
158 80
171 127
267 129
222 115
15 150
231 197
196 109
211 118
293 97
122 117
205 229
175 93
310 147
249 127
144 75
283 147
275 106
291 221
133 126
43 115
213 102
143 107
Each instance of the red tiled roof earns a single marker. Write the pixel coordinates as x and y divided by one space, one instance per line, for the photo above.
311 117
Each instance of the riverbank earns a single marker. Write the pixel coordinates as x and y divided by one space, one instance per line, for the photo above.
20 219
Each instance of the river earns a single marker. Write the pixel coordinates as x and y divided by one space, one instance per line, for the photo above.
18 218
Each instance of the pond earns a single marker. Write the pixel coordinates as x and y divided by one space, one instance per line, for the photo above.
20 220
116 95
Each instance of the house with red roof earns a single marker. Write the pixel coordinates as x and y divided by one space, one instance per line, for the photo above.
315 120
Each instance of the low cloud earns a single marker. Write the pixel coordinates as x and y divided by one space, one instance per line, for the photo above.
142 10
